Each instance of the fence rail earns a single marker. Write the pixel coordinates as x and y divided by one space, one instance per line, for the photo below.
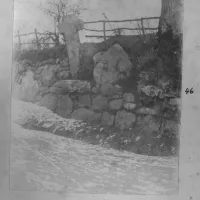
115 29
126 20
38 36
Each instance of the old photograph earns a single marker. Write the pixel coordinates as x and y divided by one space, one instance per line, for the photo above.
96 96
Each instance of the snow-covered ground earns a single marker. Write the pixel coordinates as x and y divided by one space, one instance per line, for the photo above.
43 161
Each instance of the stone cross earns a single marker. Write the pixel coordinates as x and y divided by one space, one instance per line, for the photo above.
70 28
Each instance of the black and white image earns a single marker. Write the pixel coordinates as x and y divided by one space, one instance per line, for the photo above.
96 96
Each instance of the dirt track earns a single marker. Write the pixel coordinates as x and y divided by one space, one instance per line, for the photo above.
42 161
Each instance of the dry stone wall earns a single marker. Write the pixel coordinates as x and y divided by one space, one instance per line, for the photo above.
100 101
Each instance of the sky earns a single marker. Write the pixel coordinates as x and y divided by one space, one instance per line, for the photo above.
27 15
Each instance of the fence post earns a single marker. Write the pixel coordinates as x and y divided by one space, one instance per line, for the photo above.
36 37
143 33
19 39
104 30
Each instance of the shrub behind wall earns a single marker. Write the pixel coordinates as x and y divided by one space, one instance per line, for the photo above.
42 54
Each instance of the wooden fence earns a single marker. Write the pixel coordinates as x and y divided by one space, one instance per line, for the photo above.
119 30
41 41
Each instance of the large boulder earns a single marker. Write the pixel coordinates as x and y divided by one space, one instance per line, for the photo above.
47 74
112 65
124 119
49 101
86 115
65 86
100 103
65 106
